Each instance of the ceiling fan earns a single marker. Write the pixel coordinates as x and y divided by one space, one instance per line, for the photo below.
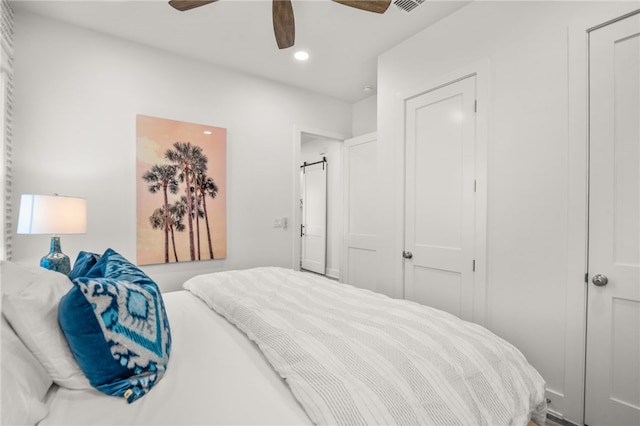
283 22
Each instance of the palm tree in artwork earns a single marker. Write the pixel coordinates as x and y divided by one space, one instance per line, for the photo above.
206 186
197 214
158 221
176 214
199 168
189 158
163 177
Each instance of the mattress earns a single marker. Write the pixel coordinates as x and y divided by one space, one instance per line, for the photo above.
215 376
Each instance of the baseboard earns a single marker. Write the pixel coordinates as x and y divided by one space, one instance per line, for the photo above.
553 420
333 273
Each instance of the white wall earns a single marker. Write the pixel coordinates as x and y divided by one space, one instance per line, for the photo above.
532 274
77 94
311 152
364 116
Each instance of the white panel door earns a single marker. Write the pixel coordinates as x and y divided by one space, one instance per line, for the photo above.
314 217
613 313
440 201
360 200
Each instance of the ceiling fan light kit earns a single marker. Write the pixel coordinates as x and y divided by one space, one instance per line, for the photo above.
283 20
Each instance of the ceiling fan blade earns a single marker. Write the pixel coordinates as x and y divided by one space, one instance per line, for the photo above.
183 5
283 24
376 6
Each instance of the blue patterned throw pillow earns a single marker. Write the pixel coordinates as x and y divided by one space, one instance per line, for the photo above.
83 264
117 328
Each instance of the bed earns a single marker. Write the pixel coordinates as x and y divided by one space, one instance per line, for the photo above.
272 346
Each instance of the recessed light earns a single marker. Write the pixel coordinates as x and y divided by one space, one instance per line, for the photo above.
301 55
207 132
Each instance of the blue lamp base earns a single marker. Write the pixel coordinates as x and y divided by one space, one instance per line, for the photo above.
56 260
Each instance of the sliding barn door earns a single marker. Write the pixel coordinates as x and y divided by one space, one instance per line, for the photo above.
313 233
440 197
613 319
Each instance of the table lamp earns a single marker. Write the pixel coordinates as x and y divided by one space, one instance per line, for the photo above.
53 214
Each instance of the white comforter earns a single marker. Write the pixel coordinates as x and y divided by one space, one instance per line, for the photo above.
216 376
351 356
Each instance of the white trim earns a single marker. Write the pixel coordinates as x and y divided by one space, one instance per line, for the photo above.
333 273
483 95
575 295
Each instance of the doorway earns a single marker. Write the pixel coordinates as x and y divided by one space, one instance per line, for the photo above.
612 386
315 146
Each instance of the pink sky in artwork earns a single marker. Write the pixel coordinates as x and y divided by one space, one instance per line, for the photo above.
154 137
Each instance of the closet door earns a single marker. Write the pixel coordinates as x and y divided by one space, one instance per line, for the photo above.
360 205
613 314
440 197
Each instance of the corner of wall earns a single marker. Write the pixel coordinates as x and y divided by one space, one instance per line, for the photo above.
364 116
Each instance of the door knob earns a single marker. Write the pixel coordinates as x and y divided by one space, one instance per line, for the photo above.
407 254
600 280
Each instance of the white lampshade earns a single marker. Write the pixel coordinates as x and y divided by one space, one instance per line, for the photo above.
52 214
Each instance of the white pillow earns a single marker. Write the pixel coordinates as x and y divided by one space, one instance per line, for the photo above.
24 382
33 314
14 278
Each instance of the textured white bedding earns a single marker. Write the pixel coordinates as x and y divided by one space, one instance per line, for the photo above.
215 376
352 356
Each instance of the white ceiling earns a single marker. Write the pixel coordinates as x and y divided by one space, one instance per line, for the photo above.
344 42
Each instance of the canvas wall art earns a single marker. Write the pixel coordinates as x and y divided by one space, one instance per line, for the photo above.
181 191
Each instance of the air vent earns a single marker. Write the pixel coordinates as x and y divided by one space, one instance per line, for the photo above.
408 5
